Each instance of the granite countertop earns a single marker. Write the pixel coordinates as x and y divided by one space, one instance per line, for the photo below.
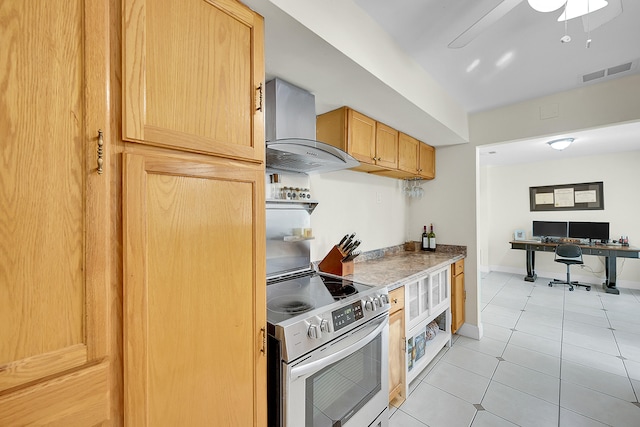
396 268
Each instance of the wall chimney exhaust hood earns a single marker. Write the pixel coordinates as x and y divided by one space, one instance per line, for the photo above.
290 125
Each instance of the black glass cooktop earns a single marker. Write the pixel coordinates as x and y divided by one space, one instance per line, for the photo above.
299 294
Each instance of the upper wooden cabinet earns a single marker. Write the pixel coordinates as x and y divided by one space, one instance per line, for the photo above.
373 144
427 161
386 146
380 149
193 76
54 219
415 159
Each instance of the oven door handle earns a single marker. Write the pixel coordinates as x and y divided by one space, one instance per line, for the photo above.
362 338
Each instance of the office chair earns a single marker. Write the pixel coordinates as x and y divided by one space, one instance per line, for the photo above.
569 255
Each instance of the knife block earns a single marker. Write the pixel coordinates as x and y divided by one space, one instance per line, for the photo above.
332 263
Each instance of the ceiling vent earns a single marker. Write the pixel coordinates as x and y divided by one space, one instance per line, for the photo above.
608 71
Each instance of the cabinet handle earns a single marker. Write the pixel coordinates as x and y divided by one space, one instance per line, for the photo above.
395 300
100 150
259 89
263 350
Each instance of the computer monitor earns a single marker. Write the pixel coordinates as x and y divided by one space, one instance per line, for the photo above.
589 230
550 228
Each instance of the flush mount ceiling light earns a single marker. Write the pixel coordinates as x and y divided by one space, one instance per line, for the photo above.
560 144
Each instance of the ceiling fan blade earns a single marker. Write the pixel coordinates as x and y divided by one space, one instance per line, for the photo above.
493 16
595 19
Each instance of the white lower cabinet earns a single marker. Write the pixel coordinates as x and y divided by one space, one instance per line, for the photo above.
428 320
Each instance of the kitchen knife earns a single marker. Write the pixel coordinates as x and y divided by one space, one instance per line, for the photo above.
346 236
355 245
350 247
350 257
347 243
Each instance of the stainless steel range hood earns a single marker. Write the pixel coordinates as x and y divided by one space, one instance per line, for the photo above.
290 124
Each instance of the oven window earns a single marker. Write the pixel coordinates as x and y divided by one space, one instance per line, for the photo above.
337 392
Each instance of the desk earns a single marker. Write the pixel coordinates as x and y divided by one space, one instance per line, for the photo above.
610 252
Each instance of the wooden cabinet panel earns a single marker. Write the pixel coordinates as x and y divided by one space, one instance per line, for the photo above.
408 152
53 232
194 292
373 144
427 168
397 370
361 143
192 77
386 146
396 298
458 295
415 159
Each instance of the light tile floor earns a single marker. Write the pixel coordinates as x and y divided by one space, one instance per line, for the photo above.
548 357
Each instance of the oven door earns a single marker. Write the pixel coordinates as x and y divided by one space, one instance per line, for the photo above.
343 383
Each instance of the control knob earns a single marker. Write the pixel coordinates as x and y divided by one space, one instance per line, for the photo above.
314 332
384 298
324 326
370 304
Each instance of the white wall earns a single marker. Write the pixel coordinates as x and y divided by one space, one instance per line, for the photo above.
354 33
449 203
371 206
508 210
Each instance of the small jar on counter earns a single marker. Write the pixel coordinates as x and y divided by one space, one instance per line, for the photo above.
276 192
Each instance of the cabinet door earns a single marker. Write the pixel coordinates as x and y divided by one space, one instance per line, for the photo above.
439 289
408 151
194 293
53 221
457 302
427 168
396 356
361 142
192 77
386 146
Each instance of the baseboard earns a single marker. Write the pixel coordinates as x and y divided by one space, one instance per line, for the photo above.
470 331
588 279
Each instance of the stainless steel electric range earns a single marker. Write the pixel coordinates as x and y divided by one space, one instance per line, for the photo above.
327 336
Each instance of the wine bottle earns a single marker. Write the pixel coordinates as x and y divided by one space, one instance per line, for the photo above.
432 239
425 240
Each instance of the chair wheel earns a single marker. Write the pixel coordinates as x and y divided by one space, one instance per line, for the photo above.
550 285
588 288
570 289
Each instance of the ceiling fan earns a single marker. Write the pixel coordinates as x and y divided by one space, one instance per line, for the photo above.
572 9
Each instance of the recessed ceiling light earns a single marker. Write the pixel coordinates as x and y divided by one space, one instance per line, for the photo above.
560 144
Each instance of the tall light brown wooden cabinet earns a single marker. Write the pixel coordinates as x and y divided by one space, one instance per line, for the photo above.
142 282
54 346
194 241
458 295
397 369
194 304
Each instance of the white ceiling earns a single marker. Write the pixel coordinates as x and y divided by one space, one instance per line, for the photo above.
519 57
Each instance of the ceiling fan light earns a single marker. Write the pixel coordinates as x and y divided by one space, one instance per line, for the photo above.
546 5
560 144
576 8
